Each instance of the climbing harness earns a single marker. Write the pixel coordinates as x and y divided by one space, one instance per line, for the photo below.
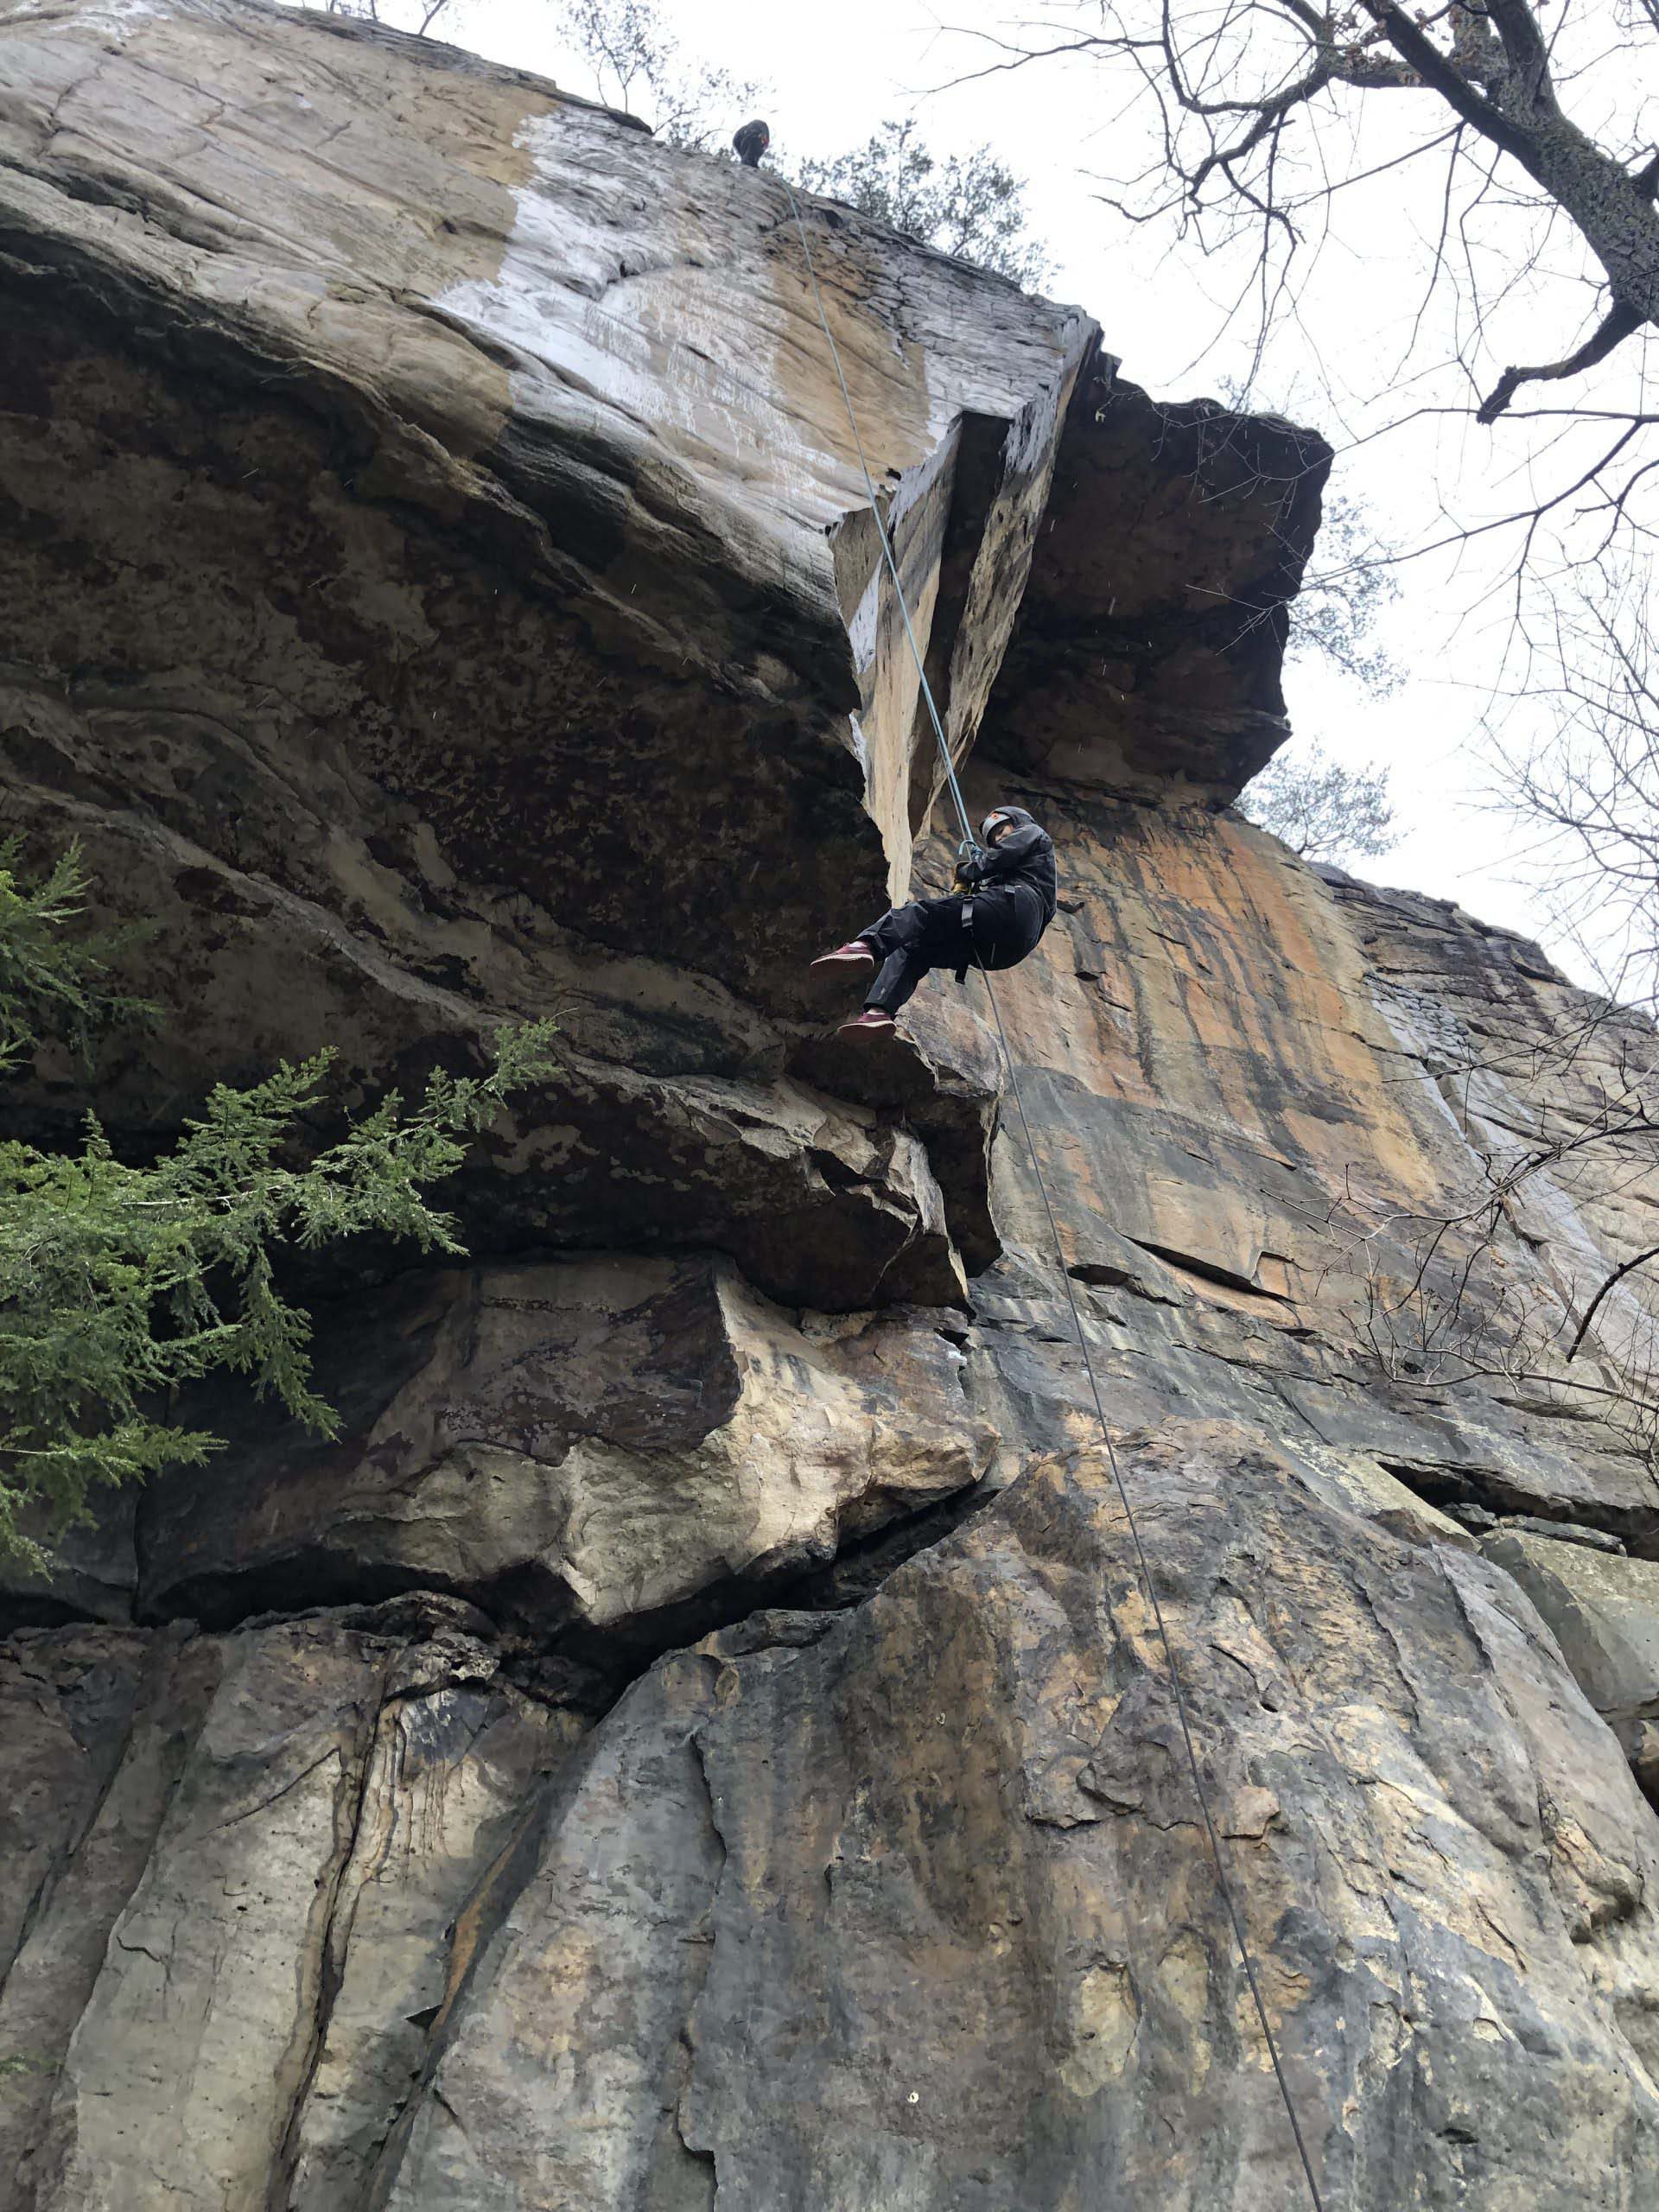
1224 1881
969 951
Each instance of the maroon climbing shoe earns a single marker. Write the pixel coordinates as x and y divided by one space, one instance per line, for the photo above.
846 955
871 1023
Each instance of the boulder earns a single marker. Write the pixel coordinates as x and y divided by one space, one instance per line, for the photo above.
587 1444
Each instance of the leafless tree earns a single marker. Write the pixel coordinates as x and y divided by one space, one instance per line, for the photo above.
638 64
1539 1280
966 204
1263 133
1494 1290
1322 810
1261 114
417 15
1588 789
1506 147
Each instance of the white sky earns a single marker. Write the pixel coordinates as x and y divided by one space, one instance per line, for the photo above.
835 72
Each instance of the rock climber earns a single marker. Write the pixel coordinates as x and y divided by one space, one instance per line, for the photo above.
1004 900
751 142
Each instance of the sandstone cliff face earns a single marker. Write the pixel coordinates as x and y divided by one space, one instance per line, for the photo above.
696 1738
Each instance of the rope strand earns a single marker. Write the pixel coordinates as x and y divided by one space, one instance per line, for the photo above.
881 523
1223 1882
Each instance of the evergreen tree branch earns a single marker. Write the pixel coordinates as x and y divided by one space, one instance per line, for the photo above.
121 1284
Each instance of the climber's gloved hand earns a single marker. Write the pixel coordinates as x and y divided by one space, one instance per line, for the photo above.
971 869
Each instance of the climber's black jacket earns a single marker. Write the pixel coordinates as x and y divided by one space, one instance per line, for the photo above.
1022 856
1009 895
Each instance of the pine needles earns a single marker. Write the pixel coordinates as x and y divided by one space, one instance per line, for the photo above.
119 1284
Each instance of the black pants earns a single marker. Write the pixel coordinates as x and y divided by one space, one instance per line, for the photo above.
909 940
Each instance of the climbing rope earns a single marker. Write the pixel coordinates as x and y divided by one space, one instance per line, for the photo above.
1224 1881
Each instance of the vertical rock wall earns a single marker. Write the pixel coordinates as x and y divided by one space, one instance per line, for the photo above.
696 1738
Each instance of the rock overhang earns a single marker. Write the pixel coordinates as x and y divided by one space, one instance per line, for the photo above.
441 592
583 1446
953 1808
1147 655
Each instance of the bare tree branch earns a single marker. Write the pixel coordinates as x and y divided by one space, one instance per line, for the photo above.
1642 1259
1616 325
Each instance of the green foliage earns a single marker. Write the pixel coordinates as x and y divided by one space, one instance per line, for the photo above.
49 983
970 205
119 1283
13 2063
967 205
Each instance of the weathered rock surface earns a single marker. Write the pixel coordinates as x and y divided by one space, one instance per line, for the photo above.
250 1870
696 1739
1148 651
578 1445
1603 1612
908 1910
535 665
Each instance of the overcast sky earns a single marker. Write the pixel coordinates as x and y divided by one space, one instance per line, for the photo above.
835 72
